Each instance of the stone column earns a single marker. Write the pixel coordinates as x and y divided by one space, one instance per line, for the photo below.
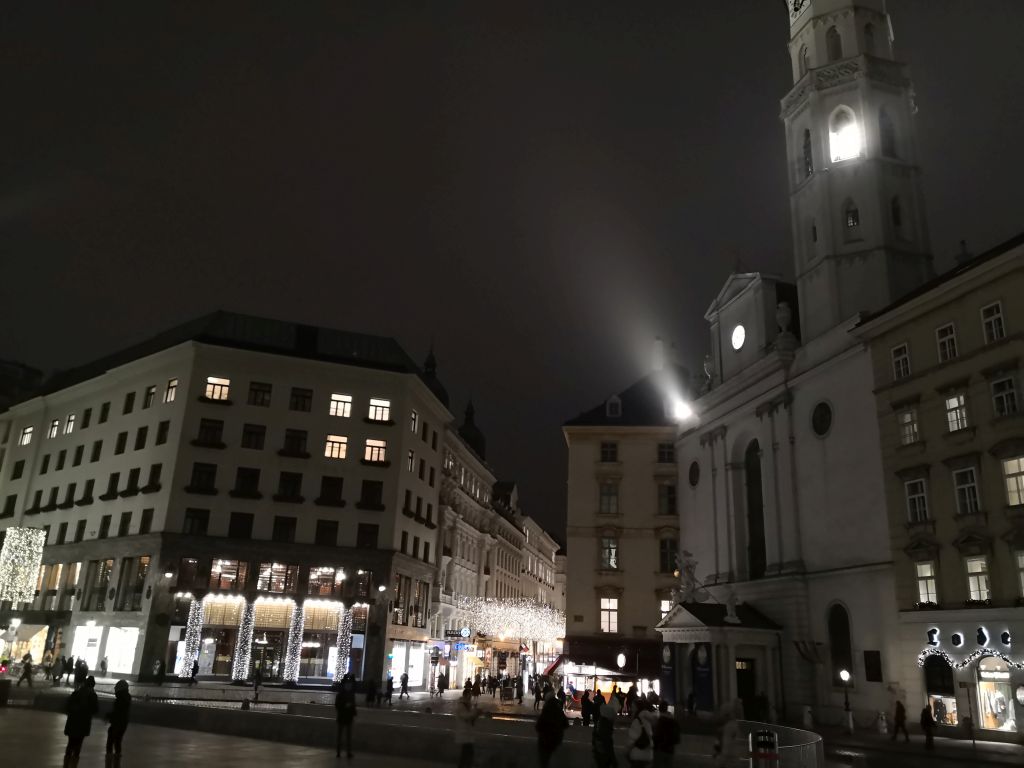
344 643
293 652
193 638
243 646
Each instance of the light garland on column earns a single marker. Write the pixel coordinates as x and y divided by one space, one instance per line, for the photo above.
293 653
20 558
243 648
193 638
344 643
980 653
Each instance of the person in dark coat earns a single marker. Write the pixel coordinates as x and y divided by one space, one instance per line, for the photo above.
585 708
160 671
26 669
899 722
928 727
118 717
81 673
404 680
81 707
665 737
69 668
194 678
550 727
389 689
538 695
345 706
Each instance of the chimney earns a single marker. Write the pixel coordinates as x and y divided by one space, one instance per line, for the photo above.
964 256
658 356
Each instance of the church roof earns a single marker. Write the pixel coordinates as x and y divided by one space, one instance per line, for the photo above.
697 615
642 403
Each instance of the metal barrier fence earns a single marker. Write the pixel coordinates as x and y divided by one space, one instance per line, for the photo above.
797 748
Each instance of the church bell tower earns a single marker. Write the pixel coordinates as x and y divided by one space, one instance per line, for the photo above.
860 238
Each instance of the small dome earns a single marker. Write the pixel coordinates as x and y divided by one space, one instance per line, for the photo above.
433 383
471 433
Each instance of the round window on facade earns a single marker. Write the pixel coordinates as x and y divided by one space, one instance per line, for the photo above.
821 419
694 474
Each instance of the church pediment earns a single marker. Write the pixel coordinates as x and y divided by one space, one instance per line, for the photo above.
735 284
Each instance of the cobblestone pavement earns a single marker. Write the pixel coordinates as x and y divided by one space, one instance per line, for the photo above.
32 739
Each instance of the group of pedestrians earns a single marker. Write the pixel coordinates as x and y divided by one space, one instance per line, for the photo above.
58 669
82 706
928 723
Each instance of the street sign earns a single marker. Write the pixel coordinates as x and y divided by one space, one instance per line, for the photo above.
453 633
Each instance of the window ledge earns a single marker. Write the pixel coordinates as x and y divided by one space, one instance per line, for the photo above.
322 502
1006 418
370 506
236 493
211 401
150 488
972 518
129 492
970 603
109 496
927 606
31 511
208 444
200 491
382 422
368 463
431 525
84 501
288 498
287 453
1015 512
921 525
608 571
408 512
964 433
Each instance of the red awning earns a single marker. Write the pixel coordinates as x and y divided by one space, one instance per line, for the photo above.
554 664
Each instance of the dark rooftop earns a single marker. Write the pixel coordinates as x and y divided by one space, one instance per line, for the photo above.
642 404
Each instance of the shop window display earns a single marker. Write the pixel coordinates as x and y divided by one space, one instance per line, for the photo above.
995 703
941 690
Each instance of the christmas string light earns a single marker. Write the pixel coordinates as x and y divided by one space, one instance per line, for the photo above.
344 642
518 617
979 653
20 558
193 637
243 649
293 654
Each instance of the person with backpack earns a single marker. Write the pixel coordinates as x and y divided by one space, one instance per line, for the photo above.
550 728
345 707
603 741
666 737
641 738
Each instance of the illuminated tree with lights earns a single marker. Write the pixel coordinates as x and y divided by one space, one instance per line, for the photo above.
517 617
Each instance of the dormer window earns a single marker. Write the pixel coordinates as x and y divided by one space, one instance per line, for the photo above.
613 408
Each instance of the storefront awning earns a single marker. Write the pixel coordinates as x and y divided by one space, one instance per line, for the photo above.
554 664
475 661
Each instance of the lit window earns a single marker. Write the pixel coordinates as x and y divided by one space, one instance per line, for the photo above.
69 424
852 215
217 389
844 136
26 436
336 447
149 397
609 614
992 321
900 361
608 499
917 501
411 461
966 486
956 412
1020 572
977 578
171 390
341 405
376 450
1004 397
946 338
54 428
1013 475
665 606
926 583
908 426
609 553
380 410
414 422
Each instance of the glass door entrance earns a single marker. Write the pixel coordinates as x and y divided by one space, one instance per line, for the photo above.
268 654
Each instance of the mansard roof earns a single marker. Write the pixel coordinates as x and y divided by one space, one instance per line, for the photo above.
642 403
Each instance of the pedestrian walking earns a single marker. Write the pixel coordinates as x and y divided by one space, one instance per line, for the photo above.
666 737
345 706
442 685
69 668
550 728
603 740
257 682
466 714
26 669
641 737
561 697
928 727
585 708
81 706
194 677
519 691
160 671
103 667
389 689
81 672
118 718
537 695
476 688
404 680
57 669
899 722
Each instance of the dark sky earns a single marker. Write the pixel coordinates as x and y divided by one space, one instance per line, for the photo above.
541 188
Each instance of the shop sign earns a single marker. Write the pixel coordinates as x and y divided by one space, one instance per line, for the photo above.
992 674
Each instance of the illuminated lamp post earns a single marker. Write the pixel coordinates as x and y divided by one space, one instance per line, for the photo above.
844 675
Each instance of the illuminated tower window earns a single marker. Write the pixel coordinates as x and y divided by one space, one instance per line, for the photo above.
844 136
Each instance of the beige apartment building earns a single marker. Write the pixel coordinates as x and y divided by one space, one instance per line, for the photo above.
947 365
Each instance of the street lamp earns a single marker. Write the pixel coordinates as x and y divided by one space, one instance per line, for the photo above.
844 675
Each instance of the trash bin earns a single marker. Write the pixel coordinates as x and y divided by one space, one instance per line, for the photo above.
5 692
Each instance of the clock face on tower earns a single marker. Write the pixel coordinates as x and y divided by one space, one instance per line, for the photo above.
796 7
739 335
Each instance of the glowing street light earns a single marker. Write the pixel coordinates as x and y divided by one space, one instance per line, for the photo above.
681 410
844 675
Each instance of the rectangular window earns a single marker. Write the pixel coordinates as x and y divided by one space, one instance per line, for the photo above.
926 590
341 405
404 546
609 452
62 533
907 420
140 438
153 484
426 551
129 403
608 498
336 447
104 527
121 444
276 577
54 429
956 412
148 397
18 470
422 474
1013 476
254 436
371 496
79 452
946 339
900 361
162 430
61 458
977 578
26 436
86 418
228 574
259 394
1004 397
45 465
247 482
410 461
430 482
146 523
240 525
112 483
104 413
416 546
331 489
375 451
917 501
133 481
10 503
380 409
666 453
197 521
211 433
667 549
217 388
664 606
69 424
1020 572
170 390
414 422
992 322
609 614
366 535
204 478
966 486
125 524
289 486
97 451
284 529
295 442
609 553
667 499
301 399
80 531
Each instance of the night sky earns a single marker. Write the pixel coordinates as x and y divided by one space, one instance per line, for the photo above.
538 188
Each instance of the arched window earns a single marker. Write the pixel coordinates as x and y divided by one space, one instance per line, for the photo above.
833 44
886 134
844 135
839 642
851 215
938 677
869 39
805 60
757 555
808 157
897 213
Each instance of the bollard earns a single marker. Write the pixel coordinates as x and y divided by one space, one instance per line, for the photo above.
883 723
764 749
